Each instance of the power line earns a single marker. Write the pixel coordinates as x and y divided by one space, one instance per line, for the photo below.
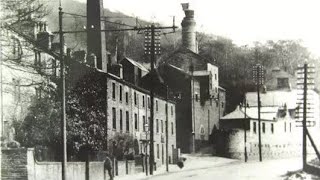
102 19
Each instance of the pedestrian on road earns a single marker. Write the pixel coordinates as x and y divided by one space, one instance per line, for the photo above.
108 167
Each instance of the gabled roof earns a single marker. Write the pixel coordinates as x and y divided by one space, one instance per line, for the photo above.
236 114
135 63
266 113
274 98
182 58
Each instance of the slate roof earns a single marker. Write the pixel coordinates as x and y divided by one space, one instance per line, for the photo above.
182 58
135 63
267 113
274 98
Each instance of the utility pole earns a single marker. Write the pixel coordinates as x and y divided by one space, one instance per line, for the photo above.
305 74
167 124
153 57
63 99
1 96
258 76
304 121
152 48
245 129
193 110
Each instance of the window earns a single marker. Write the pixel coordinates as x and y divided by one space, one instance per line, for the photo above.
158 154
17 92
215 76
114 118
157 125
127 121
113 91
197 98
127 97
121 123
120 93
54 67
149 103
290 126
135 121
172 127
171 110
285 127
272 128
135 98
222 104
263 127
282 83
144 123
143 103
156 105
255 127
161 126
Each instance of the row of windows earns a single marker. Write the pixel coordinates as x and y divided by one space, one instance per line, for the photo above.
136 122
163 125
271 127
135 98
114 119
162 151
217 103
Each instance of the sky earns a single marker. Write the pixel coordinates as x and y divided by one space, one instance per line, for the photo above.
243 21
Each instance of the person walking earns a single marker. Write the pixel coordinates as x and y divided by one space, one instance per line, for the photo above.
108 167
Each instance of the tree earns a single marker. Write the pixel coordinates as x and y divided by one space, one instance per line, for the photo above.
41 126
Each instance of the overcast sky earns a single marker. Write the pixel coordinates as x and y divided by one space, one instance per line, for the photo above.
243 21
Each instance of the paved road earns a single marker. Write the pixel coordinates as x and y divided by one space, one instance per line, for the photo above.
214 168
268 170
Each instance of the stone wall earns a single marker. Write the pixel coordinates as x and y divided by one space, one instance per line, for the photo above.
14 164
272 146
19 164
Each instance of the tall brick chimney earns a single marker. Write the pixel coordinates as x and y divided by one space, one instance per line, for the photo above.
188 29
96 40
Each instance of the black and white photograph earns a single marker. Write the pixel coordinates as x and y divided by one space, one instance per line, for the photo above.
159 89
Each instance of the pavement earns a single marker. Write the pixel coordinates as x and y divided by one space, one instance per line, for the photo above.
206 167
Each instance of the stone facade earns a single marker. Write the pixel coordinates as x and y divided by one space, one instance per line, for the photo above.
138 109
199 101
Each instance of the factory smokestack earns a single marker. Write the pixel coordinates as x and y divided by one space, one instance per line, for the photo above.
96 40
188 29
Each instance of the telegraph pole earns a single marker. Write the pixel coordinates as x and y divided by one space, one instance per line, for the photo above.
1 94
153 57
152 48
258 75
304 121
259 106
305 74
63 99
245 130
